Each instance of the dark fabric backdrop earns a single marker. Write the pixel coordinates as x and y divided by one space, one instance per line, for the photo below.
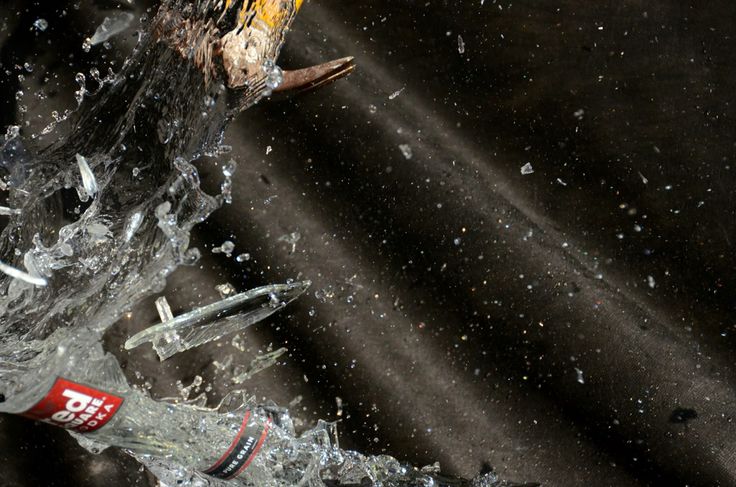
573 327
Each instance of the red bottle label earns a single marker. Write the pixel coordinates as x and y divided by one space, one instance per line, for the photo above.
75 406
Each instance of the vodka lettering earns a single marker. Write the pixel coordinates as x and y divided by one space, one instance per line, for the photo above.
75 406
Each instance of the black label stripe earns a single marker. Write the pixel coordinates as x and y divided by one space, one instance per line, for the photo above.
241 452
255 450
232 445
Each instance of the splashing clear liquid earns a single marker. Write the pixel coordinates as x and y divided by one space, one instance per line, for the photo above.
102 217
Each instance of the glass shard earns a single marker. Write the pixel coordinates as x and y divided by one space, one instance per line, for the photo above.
213 321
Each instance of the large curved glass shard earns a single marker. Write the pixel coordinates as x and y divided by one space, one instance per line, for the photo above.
208 323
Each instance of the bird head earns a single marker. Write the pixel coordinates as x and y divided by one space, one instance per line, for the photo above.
239 42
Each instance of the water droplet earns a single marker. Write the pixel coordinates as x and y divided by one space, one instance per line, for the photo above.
395 94
243 257
226 248
406 151
580 377
41 24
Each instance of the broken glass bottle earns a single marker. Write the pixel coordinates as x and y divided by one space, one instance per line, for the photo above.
103 216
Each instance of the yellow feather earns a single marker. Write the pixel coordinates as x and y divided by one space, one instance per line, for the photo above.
269 11
272 12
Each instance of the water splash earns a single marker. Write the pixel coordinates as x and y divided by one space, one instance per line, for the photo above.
102 217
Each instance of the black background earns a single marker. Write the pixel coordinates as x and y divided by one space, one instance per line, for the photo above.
460 304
